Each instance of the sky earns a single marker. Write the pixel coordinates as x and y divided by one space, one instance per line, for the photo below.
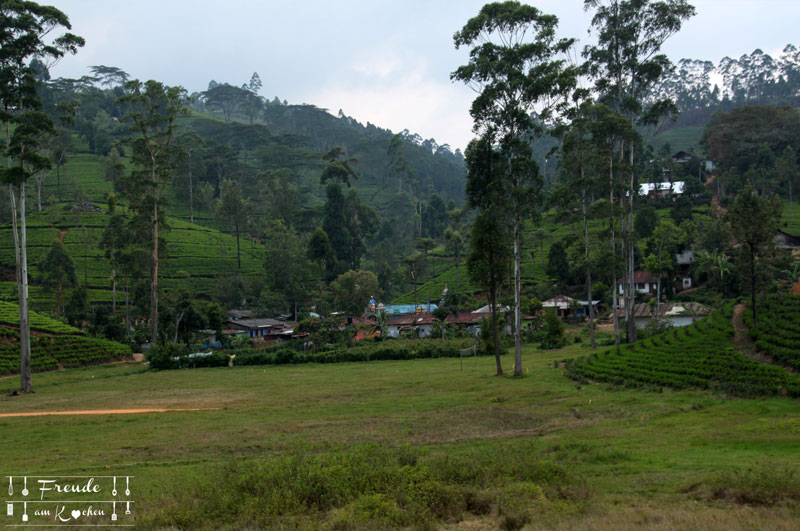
379 61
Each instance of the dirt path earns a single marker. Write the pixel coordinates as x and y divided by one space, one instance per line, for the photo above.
741 339
744 344
100 412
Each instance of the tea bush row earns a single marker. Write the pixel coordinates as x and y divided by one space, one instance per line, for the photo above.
698 356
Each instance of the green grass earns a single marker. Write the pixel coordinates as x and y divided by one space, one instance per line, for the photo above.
792 221
416 443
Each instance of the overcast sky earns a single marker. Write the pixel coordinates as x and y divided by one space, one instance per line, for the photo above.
385 62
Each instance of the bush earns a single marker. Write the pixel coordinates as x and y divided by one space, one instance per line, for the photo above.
166 356
553 332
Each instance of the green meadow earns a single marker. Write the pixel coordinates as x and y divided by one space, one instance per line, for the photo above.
415 444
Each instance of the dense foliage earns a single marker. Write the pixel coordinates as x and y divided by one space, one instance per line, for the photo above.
175 357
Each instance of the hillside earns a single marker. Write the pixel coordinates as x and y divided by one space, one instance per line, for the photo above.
54 345
536 243
197 256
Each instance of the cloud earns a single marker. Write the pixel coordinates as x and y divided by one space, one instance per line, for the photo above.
397 92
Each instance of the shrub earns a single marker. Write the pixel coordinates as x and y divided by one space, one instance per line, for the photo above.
166 356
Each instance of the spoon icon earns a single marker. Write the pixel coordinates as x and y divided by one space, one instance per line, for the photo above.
25 488
10 485
127 484
114 492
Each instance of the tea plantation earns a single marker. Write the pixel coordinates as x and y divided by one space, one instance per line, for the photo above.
696 356
779 335
54 345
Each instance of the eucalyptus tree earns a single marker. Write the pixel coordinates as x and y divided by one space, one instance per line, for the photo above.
152 109
580 162
489 259
190 158
26 29
520 71
233 207
626 66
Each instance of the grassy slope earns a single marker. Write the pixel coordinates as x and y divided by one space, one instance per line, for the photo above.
635 453
679 138
9 315
792 223
200 251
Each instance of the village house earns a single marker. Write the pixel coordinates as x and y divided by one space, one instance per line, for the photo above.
645 283
262 328
684 273
469 320
567 307
662 189
420 324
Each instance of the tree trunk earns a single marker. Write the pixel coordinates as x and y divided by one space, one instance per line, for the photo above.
615 288
24 324
154 272
59 290
191 196
495 333
658 299
753 285
517 302
238 253
178 325
39 182
588 266
113 283
631 253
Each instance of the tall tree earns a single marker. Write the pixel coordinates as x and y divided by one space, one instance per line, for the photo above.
152 109
235 209
190 162
754 220
25 28
339 168
489 260
226 98
321 252
580 161
58 270
115 237
518 68
454 243
626 64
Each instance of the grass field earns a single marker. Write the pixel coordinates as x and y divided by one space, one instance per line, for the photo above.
416 444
